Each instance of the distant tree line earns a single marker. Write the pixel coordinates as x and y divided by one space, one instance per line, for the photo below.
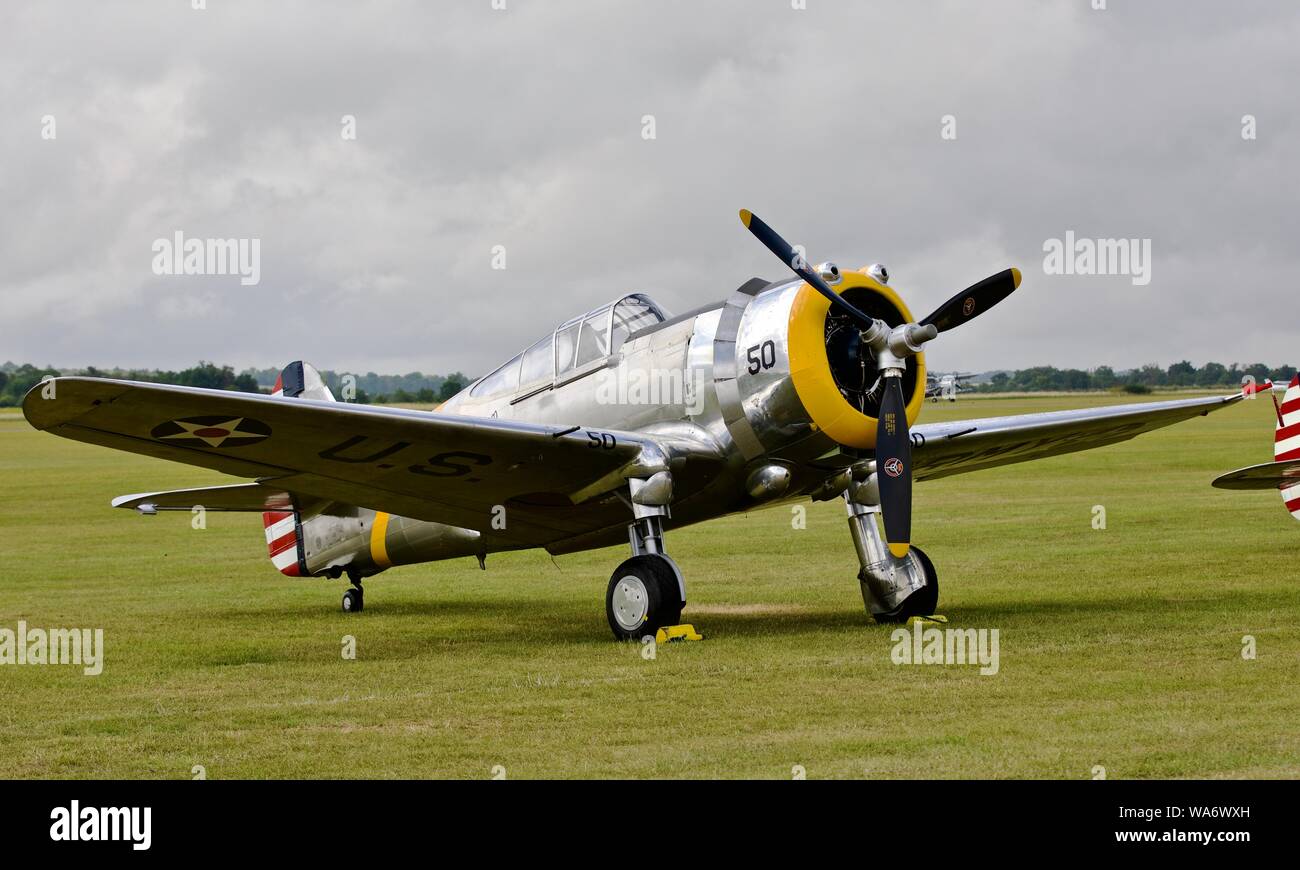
1139 380
371 388
16 380
414 387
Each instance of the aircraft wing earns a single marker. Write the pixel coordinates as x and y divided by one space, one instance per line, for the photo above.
941 449
437 467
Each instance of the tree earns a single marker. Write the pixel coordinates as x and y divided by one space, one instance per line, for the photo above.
1150 375
454 383
1282 374
1211 374
1258 371
246 383
1075 379
1182 374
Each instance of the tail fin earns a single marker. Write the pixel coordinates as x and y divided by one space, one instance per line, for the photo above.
1286 441
284 542
300 380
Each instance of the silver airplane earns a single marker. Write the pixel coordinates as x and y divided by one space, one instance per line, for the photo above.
618 425
946 386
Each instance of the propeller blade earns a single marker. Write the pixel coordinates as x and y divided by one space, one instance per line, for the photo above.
974 300
786 254
894 467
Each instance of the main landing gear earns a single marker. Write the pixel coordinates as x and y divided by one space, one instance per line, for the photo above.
647 592
643 597
893 589
354 600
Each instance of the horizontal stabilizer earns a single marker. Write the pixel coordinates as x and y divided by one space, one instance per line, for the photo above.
1269 475
254 497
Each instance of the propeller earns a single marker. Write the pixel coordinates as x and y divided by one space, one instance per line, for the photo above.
891 347
894 468
786 253
974 300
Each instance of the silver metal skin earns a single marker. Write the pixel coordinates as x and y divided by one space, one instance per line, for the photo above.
611 438
768 481
830 273
879 272
655 491
865 491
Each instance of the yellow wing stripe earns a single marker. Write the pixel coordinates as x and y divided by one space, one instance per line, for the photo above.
378 540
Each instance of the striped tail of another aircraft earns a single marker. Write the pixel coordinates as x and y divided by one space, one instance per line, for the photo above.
1286 441
1283 473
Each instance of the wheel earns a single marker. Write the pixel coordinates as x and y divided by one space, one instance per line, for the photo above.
927 599
642 597
921 602
353 600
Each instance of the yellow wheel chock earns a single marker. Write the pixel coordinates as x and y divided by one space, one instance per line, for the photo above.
671 633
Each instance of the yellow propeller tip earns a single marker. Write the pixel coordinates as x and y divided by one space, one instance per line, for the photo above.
1015 276
899 551
746 216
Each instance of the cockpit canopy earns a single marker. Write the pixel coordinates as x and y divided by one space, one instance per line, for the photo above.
574 348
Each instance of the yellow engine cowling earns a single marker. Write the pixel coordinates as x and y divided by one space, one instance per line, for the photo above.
810 368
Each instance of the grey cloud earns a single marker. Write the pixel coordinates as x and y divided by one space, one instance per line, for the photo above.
522 128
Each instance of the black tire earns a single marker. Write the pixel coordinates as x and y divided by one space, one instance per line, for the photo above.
923 602
353 601
650 599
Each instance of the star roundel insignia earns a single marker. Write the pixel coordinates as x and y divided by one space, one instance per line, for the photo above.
211 431
893 466
968 307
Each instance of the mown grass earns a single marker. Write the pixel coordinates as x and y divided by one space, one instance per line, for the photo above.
1119 647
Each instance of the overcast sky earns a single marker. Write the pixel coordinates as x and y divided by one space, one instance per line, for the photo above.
478 127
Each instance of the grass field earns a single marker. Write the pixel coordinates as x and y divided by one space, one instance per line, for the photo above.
1119 647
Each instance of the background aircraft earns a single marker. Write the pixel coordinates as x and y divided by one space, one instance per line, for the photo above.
615 426
1283 473
946 386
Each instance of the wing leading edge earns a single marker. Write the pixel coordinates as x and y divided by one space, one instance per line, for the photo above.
942 449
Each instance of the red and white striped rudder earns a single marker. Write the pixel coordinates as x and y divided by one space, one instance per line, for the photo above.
283 536
1286 442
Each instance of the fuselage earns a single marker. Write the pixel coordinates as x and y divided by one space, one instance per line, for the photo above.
758 379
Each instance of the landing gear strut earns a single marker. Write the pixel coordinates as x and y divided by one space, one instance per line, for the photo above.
647 591
893 589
